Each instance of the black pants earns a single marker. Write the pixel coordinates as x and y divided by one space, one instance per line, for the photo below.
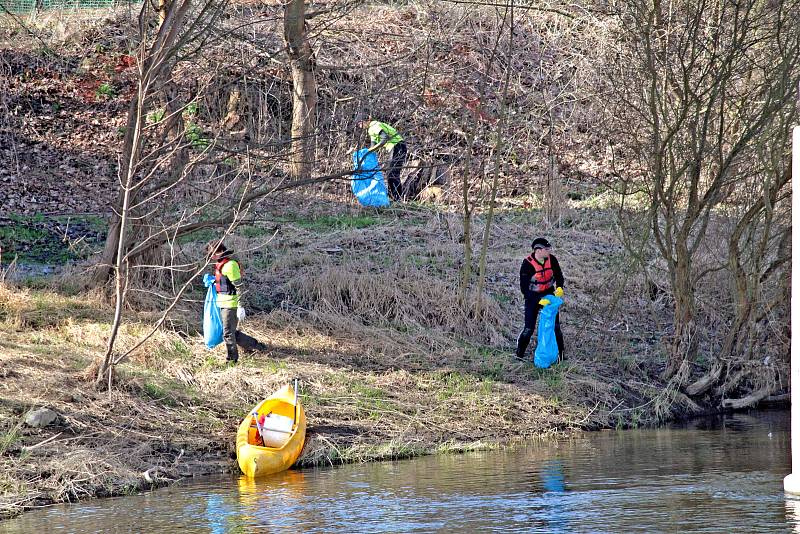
395 167
532 308
235 337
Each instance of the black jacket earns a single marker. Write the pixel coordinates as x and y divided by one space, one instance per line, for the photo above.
527 271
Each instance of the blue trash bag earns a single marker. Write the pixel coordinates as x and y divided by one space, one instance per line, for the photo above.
367 180
212 320
546 346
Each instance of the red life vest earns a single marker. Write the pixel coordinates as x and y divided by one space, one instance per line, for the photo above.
223 285
543 275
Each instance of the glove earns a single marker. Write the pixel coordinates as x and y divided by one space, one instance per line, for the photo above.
240 314
544 302
559 292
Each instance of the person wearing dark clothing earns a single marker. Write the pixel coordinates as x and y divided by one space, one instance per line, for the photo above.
539 275
230 293
399 153
384 135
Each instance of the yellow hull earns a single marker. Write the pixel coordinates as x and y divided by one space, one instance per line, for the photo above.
256 461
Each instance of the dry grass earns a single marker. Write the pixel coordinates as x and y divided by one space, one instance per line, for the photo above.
391 365
23 308
398 297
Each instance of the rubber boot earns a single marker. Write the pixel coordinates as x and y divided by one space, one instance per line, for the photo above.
523 340
233 354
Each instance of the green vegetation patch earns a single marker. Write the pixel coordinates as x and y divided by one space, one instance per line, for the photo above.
175 349
40 239
330 223
163 390
370 400
9 439
453 384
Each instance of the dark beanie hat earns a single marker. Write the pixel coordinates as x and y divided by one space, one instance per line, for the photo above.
540 242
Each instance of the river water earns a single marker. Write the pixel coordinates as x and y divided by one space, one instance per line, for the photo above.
711 475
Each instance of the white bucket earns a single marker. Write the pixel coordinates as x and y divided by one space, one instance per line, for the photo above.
276 430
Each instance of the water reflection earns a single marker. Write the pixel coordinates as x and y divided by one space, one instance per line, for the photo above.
715 475
275 503
793 512
552 476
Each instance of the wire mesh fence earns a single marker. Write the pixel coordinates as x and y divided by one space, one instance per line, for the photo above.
29 6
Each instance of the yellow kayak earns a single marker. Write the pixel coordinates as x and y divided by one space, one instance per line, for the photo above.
272 440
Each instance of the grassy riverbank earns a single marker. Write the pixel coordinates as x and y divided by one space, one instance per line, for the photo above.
361 307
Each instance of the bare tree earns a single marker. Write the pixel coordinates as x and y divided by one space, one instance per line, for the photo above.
466 224
553 193
142 176
146 174
749 361
304 88
498 150
697 84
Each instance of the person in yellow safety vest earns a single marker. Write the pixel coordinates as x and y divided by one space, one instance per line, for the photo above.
384 135
230 295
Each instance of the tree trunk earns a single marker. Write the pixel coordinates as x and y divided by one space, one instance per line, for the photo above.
684 341
497 164
747 401
104 267
304 89
102 271
553 194
466 270
120 262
